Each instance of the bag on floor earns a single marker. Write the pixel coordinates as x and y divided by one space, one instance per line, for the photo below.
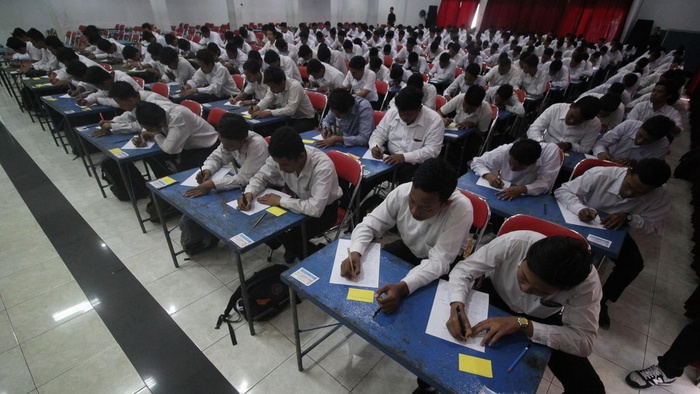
194 238
112 175
688 165
268 297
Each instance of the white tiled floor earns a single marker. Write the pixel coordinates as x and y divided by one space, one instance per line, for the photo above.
45 353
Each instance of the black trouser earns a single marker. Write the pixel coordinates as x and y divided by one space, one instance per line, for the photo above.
165 164
303 124
294 242
574 372
198 97
628 265
684 350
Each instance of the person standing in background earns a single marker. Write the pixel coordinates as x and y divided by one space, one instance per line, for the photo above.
391 18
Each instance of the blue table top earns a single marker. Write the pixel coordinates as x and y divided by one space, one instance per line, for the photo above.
224 222
536 206
571 159
371 168
401 335
237 109
67 106
114 141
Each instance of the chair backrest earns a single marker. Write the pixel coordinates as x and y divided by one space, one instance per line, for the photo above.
439 102
482 214
458 72
549 229
304 72
382 87
521 95
267 139
494 112
585 164
388 61
161 88
426 78
350 170
139 81
318 101
193 106
239 80
378 116
215 116
107 67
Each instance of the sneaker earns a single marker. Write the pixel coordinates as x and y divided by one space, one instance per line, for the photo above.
604 318
645 378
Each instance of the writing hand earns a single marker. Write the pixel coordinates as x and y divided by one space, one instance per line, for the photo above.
377 152
392 296
346 270
587 214
245 202
138 141
203 176
453 325
494 181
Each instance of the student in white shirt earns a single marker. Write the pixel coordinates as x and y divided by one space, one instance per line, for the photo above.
103 80
415 64
178 69
572 126
188 48
350 120
443 73
332 57
210 36
287 50
660 101
634 197
211 82
291 70
530 166
47 61
111 50
285 97
410 47
351 50
324 76
310 175
612 112
433 219
361 81
558 77
533 80
377 66
246 150
185 138
551 288
470 77
471 110
254 90
65 56
505 73
127 98
633 140
19 49
504 98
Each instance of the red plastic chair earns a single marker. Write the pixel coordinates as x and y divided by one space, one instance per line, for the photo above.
107 67
426 78
382 90
521 95
161 88
586 164
318 101
350 170
267 139
304 73
215 116
549 229
139 81
378 116
458 72
388 61
482 214
259 36
193 106
399 48
239 80
439 101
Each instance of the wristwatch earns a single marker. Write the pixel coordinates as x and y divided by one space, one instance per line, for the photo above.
523 322
628 218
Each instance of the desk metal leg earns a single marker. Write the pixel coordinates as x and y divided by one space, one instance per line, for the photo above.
305 243
244 290
74 135
295 320
129 188
93 167
166 232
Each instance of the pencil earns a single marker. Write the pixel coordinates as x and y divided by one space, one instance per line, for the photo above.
377 312
352 266
102 117
260 220
520 356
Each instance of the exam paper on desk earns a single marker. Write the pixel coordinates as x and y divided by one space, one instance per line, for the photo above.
368 156
257 206
483 182
219 174
477 311
130 145
369 274
572 218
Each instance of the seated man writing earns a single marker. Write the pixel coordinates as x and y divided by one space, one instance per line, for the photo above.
349 122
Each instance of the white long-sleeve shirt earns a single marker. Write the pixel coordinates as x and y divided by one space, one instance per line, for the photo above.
184 131
537 177
645 110
481 117
183 72
247 161
534 85
494 79
437 241
599 188
47 62
579 305
218 82
459 85
513 104
550 126
316 186
127 122
102 96
366 82
332 78
440 74
619 143
292 102
419 141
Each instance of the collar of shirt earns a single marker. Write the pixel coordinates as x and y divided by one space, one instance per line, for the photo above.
617 185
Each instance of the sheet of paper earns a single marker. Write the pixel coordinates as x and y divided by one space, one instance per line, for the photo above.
192 180
361 295
590 156
64 96
257 206
318 138
368 156
475 365
452 135
228 104
369 274
477 310
173 84
130 145
483 182
572 218
452 126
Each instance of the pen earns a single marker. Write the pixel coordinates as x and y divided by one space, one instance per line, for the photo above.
462 329
259 220
519 357
352 266
102 117
377 312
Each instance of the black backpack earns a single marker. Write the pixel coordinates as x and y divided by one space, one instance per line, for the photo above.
268 297
688 165
111 174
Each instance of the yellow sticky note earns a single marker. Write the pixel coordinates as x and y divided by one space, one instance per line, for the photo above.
277 211
308 141
475 365
87 109
567 154
115 151
360 295
51 99
247 116
168 180
36 78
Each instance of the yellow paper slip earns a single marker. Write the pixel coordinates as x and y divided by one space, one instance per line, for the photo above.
475 365
308 141
168 180
277 211
116 151
247 116
360 295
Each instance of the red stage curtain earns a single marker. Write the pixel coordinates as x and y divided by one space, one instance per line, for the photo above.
447 15
466 13
595 19
525 16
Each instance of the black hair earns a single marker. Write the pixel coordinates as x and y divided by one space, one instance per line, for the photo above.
168 56
588 105
652 172
314 66
658 126
228 35
183 44
616 88
147 36
203 55
19 32
96 75
505 91
357 63
396 73
473 69
281 45
562 262
205 30
671 91
154 49
77 69
504 60
271 57
375 63
526 151
104 45
170 39
474 95
629 80
412 57
436 176
66 55
54 42
149 114
35 35
274 75
15 43
610 102
409 99
129 52
444 58
304 51
122 90
415 80
285 143
347 44
233 127
532 60
341 100
252 66
556 65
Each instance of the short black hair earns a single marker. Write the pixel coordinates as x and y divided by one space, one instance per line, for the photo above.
436 176
409 99
304 51
444 58
473 69
271 57
129 52
154 49
183 44
168 56
104 45
281 45
274 75
526 151
15 43
396 73
357 63
19 32
96 75
233 127
314 66
532 60
77 69
415 80
629 79
556 65
149 114
203 55
375 63
412 57
341 100
214 49
652 172
66 55
671 91
54 42
658 126
35 35
205 30
252 66
610 102
588 105
285 143
505 91
474 96
122 90
562 262
147 36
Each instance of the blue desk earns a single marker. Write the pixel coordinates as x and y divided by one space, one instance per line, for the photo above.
105 144
571 159
237 109
212 213
401 335
37 87
174 88
536 206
